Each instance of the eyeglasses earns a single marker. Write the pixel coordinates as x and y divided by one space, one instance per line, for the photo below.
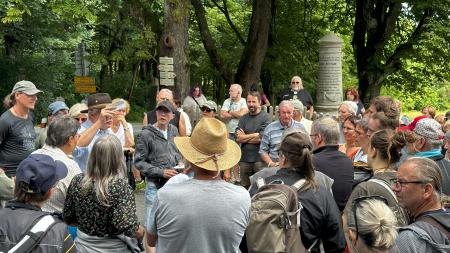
206 109
312 135
398 184
81 119
295 82
356 203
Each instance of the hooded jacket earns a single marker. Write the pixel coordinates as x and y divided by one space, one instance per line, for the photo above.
154 153
421 236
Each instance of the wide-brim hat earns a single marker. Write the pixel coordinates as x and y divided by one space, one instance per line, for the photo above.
98 101
26 87
209 147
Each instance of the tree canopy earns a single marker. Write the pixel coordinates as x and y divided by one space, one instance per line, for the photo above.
398 48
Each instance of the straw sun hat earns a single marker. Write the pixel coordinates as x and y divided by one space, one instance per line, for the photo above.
209 147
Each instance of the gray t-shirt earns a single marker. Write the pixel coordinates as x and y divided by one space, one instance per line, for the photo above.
17 140
200 216
252 124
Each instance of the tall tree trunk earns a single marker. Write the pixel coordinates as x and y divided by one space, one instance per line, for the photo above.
375 23
174 42
249 70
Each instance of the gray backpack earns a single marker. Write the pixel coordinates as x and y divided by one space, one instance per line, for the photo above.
274 224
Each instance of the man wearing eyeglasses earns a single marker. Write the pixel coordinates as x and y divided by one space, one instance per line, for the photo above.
298 92
419 190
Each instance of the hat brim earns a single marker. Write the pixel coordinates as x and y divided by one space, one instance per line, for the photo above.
163 106
225 161
61 170
31 91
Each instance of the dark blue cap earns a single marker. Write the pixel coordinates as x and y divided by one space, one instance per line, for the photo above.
40 172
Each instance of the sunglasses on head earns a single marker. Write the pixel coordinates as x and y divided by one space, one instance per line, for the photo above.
356 203
206 109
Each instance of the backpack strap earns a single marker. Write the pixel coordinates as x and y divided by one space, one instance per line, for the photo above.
382 183
260 182
34 235
299 184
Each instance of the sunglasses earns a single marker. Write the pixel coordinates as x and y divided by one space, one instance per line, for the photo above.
206 109
295 82
357 203
81 119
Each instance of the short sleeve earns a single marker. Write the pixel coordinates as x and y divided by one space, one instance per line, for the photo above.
226 105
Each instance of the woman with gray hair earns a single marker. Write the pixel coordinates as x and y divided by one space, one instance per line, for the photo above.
369 225
101 203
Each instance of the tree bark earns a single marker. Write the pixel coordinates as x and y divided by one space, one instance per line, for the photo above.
209 44
249 70
375 23
174 42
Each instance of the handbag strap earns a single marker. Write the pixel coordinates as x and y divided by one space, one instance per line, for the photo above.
34 236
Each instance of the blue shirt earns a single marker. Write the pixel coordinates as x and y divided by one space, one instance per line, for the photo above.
272 137
81 154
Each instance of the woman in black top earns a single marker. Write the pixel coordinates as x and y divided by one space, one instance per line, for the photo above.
320 217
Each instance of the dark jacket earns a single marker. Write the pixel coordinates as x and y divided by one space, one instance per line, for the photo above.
422 236
320 217
335 164
17 218
444 164
154 153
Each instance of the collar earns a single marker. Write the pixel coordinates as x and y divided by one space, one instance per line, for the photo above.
429 153
326 148
14 204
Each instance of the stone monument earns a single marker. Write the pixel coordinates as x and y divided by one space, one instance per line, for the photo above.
329 87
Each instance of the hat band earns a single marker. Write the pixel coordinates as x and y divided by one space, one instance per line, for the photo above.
208 157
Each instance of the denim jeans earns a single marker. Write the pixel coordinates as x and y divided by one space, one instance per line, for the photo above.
150 194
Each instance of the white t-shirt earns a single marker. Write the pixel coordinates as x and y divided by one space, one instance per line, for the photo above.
121 133
231 106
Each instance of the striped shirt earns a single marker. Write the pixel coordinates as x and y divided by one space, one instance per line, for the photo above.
56 202
272 137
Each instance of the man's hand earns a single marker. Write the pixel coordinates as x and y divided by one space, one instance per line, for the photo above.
168 173
105 119
239 132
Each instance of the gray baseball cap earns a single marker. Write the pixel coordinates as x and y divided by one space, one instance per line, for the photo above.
26 87
210 104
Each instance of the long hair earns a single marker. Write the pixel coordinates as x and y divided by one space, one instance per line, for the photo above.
296 148
105 165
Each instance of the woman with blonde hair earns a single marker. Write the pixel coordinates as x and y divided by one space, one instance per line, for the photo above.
120 127
100 202
370 225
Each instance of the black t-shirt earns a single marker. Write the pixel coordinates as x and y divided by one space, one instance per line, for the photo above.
17 140
302 95
252 124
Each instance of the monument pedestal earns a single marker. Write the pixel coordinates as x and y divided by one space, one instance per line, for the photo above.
329 87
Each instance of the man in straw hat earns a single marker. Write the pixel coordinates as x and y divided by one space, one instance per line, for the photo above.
17 135
100 114
203 214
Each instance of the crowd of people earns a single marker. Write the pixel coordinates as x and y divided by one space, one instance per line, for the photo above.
368 180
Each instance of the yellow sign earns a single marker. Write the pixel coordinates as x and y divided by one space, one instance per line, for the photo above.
86 80
84 84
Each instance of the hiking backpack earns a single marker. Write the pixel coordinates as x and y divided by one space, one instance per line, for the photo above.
274 224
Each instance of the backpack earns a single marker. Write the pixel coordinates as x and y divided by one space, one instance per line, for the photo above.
274 224
400 213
